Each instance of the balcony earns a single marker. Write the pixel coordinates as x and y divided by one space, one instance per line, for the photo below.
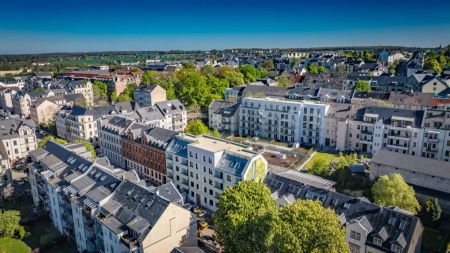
399 134
432 149
432 140
398 146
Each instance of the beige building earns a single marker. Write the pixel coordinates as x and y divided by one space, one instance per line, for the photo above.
44 111
77 123
149 95
82 87
22 104
433 85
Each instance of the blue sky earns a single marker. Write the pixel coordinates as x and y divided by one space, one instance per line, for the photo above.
32 26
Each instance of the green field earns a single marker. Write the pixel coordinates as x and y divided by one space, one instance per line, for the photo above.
320 155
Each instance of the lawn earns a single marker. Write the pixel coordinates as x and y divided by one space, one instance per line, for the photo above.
328 157
433 240
10 245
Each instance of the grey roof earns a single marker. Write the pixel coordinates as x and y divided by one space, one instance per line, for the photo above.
134 208
10 127
169 192
170 106
419 164
267 91
178 146
220 105
351 209
386 114
232 163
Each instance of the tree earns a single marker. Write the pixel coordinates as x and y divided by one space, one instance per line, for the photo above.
38 89
283 81
318 167
268 64
10 224
11 245
312 69
191 88
433 209
149 77
89 147
100 90
246 217
306 226
216 133
392 190
362 85
434 65
127 94
250 73
232 76
8 192
49 137
367 56
196 127
189 65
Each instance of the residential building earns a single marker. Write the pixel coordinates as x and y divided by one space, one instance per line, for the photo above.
77 123
22 104
143 150
106 209
436 137
224 116
283 120
82 87
169 114
149 95
44 111
369 227
110 129
5 168
430 178
18 138
6 98
202 167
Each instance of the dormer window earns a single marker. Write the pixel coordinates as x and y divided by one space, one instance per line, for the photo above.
391 220
377 241
396 248
355 235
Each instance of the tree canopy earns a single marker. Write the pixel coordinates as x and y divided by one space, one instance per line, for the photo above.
306 226
11 245
392 190
433 210
196 127
283 81
10 224
362 85
245 219
89 147
44 140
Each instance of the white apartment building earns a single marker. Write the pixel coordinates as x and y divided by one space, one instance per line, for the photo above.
106 209
224 116
82 87
436 137
203 167
170 114
283 120
110 130
18 138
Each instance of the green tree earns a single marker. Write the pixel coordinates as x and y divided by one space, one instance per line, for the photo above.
433 65
433 209
232 76
149 77
246 217
321 69
392 190
38 89
11 245
189 66
89 147
44 140
318 167
10 224
100 90
250 73
283 81
127 94
216 133
306 226
362 85
196 127
367 56
312 69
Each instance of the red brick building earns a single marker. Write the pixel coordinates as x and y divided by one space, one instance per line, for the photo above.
143 150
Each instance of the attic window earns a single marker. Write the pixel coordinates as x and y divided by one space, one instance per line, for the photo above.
402 225
377 241
346 205
391 220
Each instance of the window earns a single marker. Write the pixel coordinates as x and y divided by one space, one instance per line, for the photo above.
377 241
396 248
355 235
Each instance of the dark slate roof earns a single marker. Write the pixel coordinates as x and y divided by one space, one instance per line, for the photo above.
232 163
396 222
10 127
371 94
386 114
268 91
170 106
134 208
169 192
220 106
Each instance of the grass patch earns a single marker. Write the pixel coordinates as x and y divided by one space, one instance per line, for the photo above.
433 240
11 245
328 157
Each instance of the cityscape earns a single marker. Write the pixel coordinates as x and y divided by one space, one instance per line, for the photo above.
198 127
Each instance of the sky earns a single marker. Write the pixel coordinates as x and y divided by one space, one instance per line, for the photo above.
45 26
